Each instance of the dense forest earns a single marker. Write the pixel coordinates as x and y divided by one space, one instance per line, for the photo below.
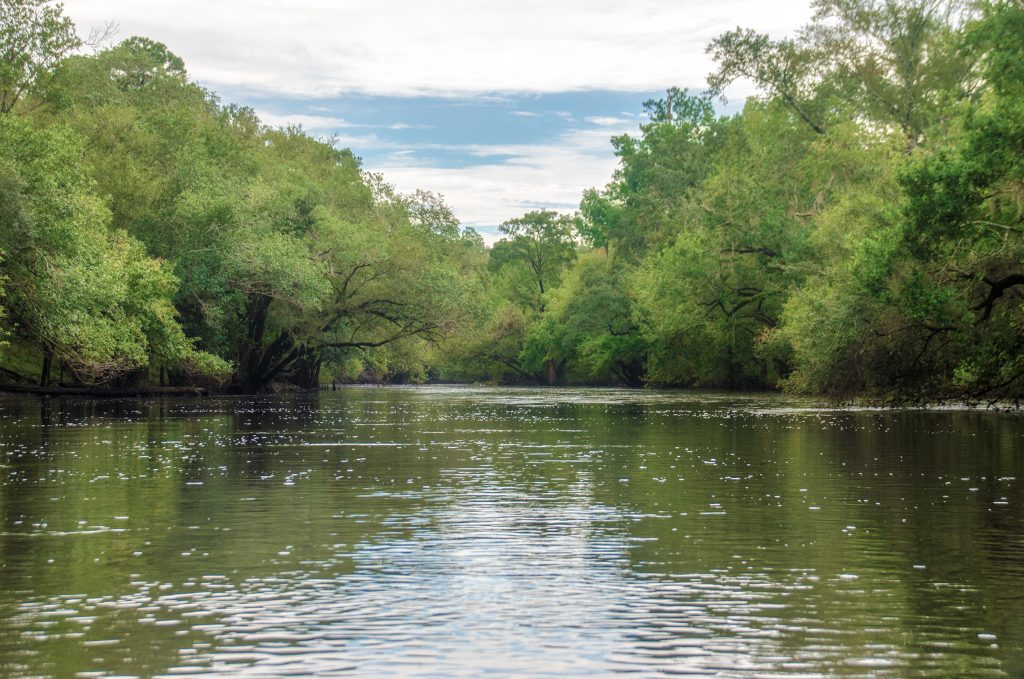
855 230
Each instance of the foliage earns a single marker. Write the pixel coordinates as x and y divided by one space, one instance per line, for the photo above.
588 333
34 38
856 229
86 294
136 199
539 244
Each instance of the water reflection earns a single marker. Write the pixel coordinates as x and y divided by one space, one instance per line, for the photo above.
454 531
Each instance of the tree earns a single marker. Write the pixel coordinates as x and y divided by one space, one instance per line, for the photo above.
784 69
896 61
34 37
543 241
588 331
599 217
657 172
77 290
387 269
289 256
965 223
922 301
891 62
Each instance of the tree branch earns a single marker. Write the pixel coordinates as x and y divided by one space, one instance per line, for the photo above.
997 288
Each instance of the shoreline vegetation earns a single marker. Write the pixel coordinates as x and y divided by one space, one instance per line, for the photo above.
856 231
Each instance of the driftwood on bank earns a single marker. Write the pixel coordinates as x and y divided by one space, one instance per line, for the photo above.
103 391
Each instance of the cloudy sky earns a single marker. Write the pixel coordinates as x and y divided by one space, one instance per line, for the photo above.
502 106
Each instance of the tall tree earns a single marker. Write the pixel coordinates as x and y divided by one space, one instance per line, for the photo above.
34 37
544 242
891 62
783 69
80 292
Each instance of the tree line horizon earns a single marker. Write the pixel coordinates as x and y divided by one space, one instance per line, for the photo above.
855 231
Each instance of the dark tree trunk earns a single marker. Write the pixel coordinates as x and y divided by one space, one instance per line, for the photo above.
552 371
259 365
251 351
307 369
44 378
631 373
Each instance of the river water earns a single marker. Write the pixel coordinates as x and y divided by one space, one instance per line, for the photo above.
456 531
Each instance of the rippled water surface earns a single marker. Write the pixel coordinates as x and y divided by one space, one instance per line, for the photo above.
446 531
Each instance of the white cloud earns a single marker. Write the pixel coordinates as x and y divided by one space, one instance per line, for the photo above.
326 123
446 47
525 114
529 176
605 120
306 121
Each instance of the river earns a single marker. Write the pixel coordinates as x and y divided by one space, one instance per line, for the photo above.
462 531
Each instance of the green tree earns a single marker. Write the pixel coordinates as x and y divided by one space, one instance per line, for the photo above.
543 242
34 37
892 62
79 291
896 61
588 331
783 69
918 298
657 171
289 256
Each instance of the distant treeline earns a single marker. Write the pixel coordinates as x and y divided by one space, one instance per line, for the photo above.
855 231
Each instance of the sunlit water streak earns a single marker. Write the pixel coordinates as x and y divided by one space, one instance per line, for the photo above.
445 531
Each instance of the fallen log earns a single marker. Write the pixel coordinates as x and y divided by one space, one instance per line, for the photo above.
104 392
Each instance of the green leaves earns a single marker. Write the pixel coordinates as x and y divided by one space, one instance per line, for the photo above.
892 62
588 331
542 243
135 199
783 68
855 230
77 289
34 37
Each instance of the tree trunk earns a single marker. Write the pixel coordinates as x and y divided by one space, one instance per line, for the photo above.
257 365
631 373
552 371
251 351
44 379
307 369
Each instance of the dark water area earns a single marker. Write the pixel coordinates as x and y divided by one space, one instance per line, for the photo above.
458 532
